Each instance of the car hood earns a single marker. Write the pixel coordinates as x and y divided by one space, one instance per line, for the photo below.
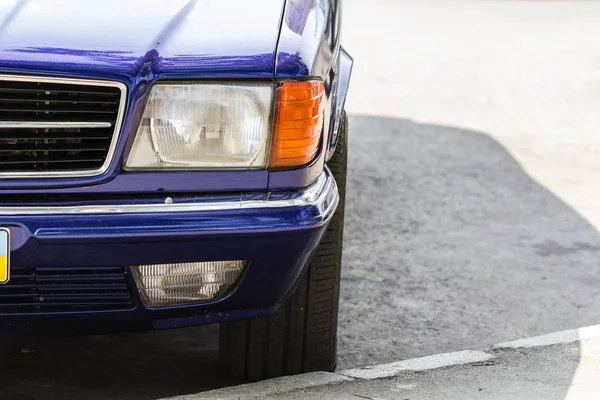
110 38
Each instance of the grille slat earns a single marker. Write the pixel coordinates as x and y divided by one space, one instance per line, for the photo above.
56 116
55 134
60 287
43 109
30 97
65 93
15 286
88 296
49 147
17 296
106 276
34 290
88 305
55 149
48 88
49 160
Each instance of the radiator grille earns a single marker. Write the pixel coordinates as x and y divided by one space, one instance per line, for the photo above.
32 290
50 127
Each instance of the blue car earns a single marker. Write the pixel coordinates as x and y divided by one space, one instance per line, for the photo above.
167 164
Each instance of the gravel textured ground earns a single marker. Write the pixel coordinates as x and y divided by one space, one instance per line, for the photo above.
474 181
451 245
473 209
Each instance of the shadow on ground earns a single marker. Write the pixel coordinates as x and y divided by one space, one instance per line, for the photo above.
130 366
449 245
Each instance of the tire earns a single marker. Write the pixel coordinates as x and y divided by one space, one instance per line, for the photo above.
301 336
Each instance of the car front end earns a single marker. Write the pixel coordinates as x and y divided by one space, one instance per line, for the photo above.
165 171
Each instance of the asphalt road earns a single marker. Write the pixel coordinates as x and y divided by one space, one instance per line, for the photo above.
473 204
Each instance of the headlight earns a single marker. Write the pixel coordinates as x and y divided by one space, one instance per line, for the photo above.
204 126
191 126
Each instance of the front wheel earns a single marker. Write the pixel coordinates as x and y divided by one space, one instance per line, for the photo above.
302 335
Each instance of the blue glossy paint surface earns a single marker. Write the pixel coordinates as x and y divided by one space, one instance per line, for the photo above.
114 38
265 284
277 242
309 38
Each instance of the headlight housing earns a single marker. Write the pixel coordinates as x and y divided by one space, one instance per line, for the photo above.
204 126
196 126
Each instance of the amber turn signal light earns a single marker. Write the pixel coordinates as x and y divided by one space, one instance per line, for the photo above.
298 123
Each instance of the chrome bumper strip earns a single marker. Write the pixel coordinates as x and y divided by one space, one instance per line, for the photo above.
322 194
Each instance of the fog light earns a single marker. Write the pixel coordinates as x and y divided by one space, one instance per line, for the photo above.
163 285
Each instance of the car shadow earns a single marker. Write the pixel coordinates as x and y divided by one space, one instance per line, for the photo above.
128 366
449 245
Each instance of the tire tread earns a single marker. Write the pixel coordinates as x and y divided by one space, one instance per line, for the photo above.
302 335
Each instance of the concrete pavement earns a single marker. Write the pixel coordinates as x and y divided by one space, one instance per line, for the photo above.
563 365
473 206
474 186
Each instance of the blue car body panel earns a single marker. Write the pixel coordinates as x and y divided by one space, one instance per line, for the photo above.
259 40
277 243
128 40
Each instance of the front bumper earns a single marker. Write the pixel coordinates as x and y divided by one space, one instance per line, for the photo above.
276 232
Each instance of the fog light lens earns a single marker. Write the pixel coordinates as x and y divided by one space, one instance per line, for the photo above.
163 285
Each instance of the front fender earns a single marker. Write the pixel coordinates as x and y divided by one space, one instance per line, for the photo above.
338 98
309 47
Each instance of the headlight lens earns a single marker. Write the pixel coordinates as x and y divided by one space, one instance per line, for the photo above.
204 126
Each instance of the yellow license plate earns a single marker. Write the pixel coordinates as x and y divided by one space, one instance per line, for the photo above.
4 255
